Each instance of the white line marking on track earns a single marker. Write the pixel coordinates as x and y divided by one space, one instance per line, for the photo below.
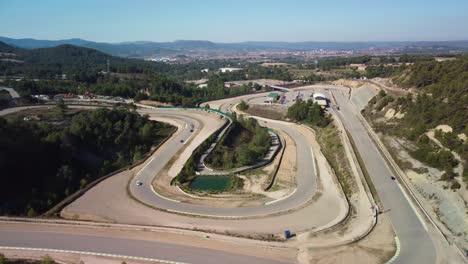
93 254
189 137
282 198
423 223
313 161
151 160
397 251
155 192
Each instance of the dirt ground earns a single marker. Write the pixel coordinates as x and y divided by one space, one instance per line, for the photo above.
154 103
377 247
276 112
285 179
284 183
64 258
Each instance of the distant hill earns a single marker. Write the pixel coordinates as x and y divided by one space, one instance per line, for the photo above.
64 54
128 49
29 43
6 48
71 60
139 49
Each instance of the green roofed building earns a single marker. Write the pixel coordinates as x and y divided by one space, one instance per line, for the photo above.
274 96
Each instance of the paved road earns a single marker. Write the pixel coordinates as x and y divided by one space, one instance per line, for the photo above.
123 246
416 244
12 92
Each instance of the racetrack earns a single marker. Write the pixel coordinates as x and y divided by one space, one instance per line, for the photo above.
306 178
413 233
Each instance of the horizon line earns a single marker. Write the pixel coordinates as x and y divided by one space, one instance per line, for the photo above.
244 41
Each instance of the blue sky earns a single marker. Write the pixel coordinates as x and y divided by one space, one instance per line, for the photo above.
235 20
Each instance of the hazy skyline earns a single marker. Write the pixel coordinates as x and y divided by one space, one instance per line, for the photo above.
235 21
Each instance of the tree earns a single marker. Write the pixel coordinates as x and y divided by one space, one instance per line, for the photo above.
243 105
2 259
308 111
245 155
31 212
47 260
61 105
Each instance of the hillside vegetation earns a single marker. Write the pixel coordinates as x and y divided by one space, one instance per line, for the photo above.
43 161
245 143
71 69
441 99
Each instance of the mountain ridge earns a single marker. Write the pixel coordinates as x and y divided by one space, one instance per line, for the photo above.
149 48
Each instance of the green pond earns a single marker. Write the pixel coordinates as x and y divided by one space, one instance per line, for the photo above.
211 183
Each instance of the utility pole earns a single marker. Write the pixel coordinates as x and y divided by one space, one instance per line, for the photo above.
108 66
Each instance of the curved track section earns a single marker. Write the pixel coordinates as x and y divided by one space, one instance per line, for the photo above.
306 176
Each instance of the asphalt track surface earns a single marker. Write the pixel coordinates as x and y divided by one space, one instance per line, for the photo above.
415 241
123 246
306 178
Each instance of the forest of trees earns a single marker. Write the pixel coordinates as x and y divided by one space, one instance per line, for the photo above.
380 71
443 96
245 143
309 112
44 161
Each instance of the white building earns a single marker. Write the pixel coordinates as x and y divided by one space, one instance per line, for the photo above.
223 70
320 99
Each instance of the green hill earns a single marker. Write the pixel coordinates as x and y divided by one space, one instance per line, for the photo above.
441 98
72 60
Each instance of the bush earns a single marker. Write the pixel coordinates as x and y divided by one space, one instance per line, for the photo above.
47 260
455 185
384 102
448 176
465 174
382 93
243 106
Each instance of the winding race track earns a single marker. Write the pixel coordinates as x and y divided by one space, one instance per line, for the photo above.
306 184
413 233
